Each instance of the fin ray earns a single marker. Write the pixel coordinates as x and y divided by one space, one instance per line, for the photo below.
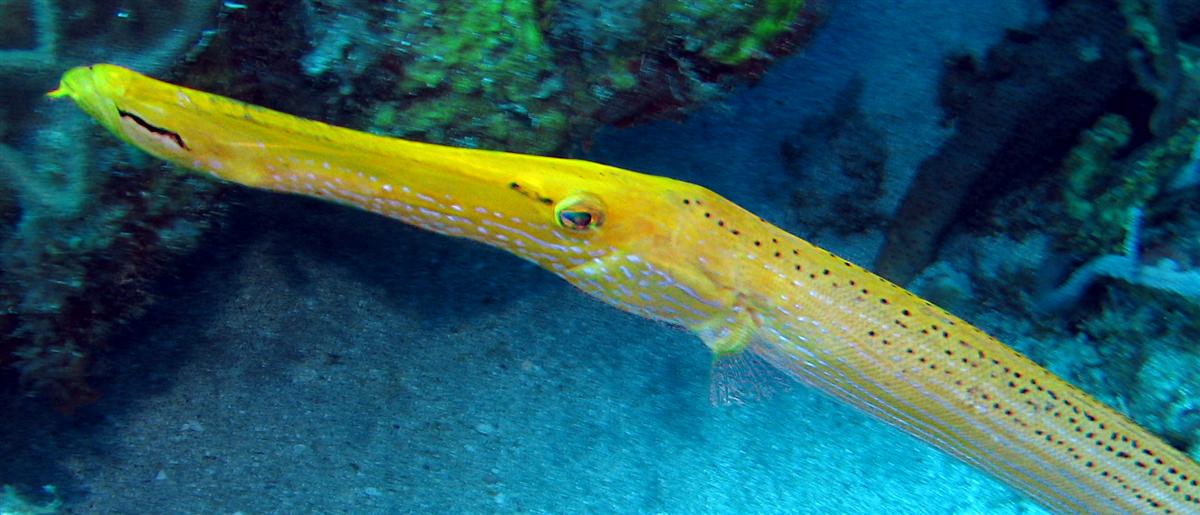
745 376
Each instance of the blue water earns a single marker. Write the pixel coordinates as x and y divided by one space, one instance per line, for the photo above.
316 359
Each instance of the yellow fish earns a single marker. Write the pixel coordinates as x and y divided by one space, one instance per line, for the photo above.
676 252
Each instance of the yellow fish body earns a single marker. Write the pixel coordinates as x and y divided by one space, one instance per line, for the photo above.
676 252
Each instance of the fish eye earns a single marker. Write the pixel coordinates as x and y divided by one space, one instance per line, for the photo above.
579 212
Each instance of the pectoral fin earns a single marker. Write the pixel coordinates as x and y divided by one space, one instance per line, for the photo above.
739 373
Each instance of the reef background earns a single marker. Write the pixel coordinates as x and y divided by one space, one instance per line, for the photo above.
306 357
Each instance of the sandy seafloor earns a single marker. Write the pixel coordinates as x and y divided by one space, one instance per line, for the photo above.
315 359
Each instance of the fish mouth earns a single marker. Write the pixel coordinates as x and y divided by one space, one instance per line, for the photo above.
76 83
91 87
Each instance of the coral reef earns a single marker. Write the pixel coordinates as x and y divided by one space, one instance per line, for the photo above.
1145 340
88 226
858 153
1014 118
1109 193
1165 65
1118 218
1091 168
538 76
70 280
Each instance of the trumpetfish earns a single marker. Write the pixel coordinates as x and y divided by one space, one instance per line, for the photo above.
679 253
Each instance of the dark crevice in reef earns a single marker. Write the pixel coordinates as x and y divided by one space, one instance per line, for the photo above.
1016 116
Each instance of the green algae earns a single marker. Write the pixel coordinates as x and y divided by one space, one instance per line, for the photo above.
767 22
466 71
532 75
1101 192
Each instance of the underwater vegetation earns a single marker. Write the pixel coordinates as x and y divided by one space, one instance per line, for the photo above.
644 244
1060 213
539 76
1067 195
88 226
1018 115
